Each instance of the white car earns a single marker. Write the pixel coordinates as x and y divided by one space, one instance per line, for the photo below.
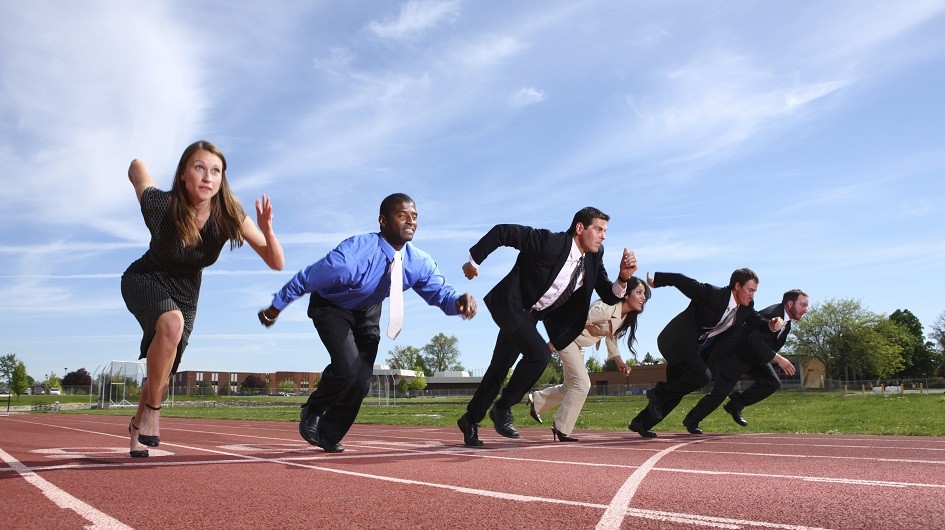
54 392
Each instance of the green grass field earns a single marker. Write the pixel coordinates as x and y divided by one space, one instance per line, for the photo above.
809 412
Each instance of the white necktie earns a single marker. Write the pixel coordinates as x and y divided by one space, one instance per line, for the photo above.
396 321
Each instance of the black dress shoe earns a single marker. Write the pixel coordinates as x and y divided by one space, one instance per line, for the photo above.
637 428
558 436
655 404
693 428
503 422
331 447
470 432
531 409
308 426
736 413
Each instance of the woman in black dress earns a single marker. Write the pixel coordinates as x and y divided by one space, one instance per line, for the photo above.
189 226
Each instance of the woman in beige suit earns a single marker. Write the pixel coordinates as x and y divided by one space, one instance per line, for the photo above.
608 322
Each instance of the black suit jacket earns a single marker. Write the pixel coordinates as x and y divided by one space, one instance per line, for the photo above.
707 304
542 255
754 346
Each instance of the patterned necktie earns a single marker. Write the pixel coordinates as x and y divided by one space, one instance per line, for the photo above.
578 270
721 326
396 321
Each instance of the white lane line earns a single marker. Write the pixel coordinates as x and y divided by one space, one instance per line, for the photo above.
825 457
615 512
99 520
715 522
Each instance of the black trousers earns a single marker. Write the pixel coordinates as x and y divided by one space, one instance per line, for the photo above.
682 378
535 356
729 371
351 338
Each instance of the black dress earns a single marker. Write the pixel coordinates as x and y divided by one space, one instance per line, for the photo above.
167 277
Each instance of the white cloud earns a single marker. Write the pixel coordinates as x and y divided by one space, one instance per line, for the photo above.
487 51
526 96
87 88
416 16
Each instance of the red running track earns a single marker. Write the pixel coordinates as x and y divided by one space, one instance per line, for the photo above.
72 471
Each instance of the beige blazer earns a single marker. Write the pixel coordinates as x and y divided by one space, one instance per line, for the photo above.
602 321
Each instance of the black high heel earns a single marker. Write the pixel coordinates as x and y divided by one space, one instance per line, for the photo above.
149 440
561 437
136 453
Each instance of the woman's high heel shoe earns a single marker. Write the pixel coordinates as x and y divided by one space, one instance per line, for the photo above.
136 451
151 440
561 437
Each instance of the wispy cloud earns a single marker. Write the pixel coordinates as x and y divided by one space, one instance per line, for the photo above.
526 96
416 16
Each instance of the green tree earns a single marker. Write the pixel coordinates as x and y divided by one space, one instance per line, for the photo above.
593 365
551 376
287 386
938 333
609 366
441 354
404 358
19 381
418 383
647 360
8 364
203 388
53 381
918 358
403 387
871 348
829 332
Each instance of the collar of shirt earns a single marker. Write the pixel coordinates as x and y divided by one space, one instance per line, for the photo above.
387 249
732 304
575 253
563 278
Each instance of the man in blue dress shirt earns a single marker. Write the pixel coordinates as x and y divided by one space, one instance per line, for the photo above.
347 288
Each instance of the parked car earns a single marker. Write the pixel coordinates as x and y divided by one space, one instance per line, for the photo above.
55 392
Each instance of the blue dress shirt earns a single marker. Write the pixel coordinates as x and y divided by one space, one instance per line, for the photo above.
356 275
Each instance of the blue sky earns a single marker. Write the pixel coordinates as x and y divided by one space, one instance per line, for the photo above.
801 139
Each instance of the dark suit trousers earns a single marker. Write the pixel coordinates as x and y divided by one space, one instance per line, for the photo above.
729 371
351 338
681 378
535 356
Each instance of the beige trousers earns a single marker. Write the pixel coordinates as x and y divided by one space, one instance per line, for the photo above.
571 394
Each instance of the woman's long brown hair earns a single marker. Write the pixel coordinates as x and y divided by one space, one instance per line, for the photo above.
630 323
225 209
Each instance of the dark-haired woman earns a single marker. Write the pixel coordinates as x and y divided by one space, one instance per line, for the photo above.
189 226
608 322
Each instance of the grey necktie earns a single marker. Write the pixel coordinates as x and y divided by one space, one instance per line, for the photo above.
721 326
578 270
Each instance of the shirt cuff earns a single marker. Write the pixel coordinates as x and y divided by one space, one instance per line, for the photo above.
619 291
473 262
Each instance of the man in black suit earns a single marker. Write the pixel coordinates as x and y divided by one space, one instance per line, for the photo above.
687 339
751 352
552 281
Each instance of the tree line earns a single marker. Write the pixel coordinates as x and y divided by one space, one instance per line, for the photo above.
855 343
